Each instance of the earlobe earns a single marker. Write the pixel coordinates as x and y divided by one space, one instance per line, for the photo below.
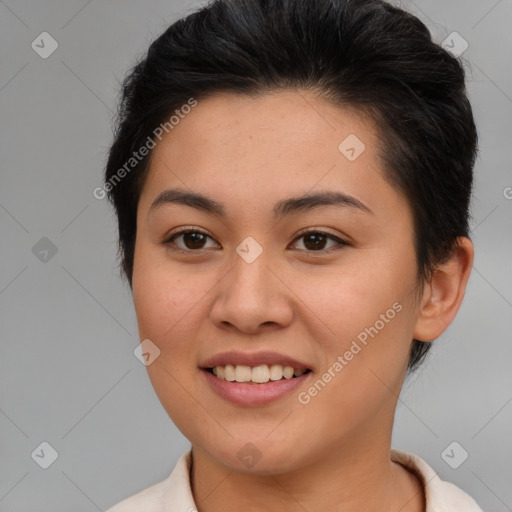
443 294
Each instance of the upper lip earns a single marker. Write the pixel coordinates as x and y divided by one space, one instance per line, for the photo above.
252 359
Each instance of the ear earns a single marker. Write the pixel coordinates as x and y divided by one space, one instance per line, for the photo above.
443 293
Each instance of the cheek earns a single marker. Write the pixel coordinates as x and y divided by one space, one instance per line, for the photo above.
168 307
366 317
363 369
166 298
351 299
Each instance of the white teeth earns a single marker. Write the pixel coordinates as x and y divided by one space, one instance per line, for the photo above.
229 372
276 372
259 374
242 373
288 372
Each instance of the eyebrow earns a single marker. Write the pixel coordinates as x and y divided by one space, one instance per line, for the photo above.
281 208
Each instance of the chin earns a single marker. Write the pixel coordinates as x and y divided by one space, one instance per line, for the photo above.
257 456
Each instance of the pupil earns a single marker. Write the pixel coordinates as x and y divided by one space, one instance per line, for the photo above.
195 240
318 241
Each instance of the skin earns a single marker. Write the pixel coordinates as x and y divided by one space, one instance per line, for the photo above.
249 153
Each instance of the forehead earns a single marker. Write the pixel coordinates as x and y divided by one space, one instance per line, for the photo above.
286 121
257 150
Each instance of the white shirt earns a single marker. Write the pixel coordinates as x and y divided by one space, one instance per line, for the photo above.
175 494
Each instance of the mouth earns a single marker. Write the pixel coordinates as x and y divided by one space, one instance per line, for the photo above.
255 386
254 379
261 374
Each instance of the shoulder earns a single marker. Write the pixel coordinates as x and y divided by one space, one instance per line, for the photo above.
175 490
440 496
149 499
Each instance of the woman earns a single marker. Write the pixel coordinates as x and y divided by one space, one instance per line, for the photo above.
292 181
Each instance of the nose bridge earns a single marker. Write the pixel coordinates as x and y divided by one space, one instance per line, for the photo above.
251 277
250 295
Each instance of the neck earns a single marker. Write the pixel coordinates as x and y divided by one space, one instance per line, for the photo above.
354 477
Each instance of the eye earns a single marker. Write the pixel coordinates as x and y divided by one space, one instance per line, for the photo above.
317 240
191 240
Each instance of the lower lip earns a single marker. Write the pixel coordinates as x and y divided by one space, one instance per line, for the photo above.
241 393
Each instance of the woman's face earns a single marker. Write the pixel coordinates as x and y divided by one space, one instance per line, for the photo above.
247 287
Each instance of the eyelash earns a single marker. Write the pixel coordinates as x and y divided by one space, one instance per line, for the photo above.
169 241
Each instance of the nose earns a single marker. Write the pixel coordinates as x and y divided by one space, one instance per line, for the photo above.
252 298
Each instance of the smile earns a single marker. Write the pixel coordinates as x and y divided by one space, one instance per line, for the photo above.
260 374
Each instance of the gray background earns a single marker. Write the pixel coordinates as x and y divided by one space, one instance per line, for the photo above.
67 371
